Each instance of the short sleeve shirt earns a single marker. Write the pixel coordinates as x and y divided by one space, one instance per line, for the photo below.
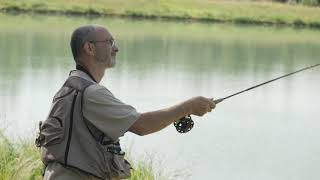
105 111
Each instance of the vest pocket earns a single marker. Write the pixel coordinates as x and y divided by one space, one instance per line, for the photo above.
120 167
51 131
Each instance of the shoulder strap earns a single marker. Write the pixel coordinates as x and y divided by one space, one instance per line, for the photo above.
77 83
81 84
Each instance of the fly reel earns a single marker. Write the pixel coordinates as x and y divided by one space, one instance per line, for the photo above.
184 125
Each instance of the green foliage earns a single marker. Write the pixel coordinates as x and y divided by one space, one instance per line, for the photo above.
21 161
305 2
284 12
152 168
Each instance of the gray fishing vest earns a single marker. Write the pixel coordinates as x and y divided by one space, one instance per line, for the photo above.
68 138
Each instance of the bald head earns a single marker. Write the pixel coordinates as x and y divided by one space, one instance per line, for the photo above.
79 37
93 45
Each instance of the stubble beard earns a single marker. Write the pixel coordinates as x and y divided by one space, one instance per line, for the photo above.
112 61
103 61
108 61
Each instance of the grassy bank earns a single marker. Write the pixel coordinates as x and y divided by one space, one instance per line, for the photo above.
253 12
21 161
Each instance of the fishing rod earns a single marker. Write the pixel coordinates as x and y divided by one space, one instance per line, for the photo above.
185 124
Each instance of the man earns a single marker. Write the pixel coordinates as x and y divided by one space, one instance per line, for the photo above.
80 137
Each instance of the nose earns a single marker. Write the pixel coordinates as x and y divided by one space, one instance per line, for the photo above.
115 48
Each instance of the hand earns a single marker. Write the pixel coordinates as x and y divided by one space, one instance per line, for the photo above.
201 105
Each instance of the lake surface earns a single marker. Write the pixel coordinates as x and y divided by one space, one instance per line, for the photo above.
270 133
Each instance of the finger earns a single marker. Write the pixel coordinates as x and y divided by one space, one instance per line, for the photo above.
212 106
208 109
202 112
212 103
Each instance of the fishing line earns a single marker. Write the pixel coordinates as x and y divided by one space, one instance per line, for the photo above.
185 124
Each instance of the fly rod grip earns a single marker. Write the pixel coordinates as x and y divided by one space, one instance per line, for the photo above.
217 101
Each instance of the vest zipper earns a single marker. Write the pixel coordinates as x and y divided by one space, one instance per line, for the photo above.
70 128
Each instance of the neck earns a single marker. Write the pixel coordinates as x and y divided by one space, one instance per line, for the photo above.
95 72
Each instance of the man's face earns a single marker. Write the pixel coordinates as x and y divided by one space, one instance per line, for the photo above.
106 49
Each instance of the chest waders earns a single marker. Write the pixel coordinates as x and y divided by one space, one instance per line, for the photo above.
68 138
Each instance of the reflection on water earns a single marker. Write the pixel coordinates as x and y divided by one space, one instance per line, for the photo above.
268 133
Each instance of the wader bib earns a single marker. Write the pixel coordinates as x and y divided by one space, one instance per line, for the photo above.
68 138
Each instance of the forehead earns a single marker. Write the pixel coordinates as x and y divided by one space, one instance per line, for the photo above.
103 33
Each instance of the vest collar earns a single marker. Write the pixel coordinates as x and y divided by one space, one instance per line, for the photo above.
83 69
81 74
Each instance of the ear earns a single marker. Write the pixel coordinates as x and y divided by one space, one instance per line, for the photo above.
89 48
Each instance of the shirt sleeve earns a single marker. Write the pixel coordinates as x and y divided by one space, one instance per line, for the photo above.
108 113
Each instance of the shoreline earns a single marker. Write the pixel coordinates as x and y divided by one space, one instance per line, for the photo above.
184 15
297 24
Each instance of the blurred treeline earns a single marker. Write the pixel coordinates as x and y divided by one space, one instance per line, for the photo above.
303 2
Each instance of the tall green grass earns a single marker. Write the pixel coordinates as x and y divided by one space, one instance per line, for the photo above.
20 160
242 11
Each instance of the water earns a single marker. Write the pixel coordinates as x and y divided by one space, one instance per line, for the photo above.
268 133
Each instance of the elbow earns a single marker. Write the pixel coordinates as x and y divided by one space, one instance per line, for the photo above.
143 132
137 129
140 132
143 126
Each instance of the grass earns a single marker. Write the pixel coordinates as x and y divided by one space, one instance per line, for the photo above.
242 12
21 161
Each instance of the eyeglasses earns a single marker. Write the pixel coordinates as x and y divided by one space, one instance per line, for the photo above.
111 41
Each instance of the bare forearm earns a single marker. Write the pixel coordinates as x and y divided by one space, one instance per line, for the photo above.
154 121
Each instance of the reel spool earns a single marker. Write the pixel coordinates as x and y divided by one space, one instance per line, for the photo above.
184 125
